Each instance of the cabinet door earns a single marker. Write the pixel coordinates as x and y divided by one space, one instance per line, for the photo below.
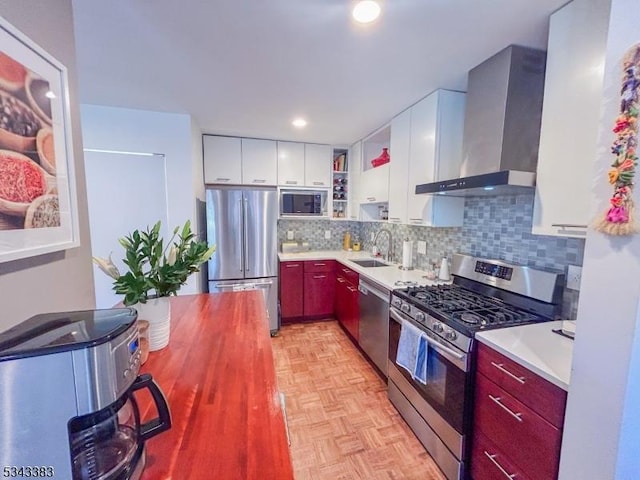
435 154
526 438
291 289
317 161
319 294
355 169
341 300
222 159
353 311
570 118
374 185
399 174
422 158
259 162
290 164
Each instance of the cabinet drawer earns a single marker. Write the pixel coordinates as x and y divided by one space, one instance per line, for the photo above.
488 462
527 439
349 274
313 266
534 391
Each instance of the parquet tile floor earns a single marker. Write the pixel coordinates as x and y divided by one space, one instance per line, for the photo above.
341 424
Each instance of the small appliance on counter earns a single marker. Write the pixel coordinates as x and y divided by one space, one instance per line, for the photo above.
67 396
295 247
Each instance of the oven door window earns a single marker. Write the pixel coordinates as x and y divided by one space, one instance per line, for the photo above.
446 383
105 444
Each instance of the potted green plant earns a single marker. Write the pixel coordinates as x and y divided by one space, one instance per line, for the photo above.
156 271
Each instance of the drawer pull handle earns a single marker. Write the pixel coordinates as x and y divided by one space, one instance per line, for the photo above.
319 264
292 266
221 179
496 400
318 183
500 366
258 180
346 270
352 289
291 182
341 280
568 225
319 276
500 467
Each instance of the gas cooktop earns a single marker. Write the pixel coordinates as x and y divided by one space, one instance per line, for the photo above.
465 310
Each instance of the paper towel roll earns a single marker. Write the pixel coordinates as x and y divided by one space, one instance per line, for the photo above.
407 254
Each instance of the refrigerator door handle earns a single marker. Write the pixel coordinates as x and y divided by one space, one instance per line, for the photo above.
245 234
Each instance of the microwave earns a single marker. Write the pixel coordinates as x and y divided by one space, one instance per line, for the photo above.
303 203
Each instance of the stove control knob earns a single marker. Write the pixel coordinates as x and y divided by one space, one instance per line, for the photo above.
396 302
405 307
451 335
420 317
437 327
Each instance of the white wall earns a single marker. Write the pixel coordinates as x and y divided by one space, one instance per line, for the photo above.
62 280
600 441
172 135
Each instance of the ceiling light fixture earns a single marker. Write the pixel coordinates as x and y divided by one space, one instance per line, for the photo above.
366 11
299 123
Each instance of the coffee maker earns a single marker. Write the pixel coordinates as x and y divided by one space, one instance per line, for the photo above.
67 397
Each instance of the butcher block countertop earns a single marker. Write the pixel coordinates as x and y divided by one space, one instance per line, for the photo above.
219 378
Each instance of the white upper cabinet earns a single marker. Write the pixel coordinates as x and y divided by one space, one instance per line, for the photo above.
222 159
259 162
374 181
374 185
304 165
570 117
355 168
435 154
399 146
318 163
291 164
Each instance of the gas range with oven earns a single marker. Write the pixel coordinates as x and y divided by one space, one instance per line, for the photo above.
485 294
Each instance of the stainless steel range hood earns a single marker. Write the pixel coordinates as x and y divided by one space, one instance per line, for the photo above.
501 126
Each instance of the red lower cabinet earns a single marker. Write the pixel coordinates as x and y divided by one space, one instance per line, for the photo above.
291 290
347 310
489 463
319 290
517 421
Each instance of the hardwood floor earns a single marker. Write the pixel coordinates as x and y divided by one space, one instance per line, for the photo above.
341 424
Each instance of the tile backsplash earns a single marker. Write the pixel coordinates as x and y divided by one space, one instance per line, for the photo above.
494 227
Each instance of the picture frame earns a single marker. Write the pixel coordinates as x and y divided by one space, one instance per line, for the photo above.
38 198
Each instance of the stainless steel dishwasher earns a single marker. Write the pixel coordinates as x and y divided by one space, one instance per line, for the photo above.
374 322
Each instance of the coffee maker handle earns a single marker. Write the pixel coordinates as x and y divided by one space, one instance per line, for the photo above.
163 422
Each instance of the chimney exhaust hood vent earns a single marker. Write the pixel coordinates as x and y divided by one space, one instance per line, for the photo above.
501 126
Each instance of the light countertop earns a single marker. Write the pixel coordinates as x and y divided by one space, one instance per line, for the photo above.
385 276
535 347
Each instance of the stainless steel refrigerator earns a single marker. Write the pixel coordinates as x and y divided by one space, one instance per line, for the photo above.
242 223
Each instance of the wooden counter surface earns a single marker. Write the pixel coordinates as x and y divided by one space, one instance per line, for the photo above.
219 378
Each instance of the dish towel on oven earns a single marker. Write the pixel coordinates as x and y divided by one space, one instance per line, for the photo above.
420 371
408 346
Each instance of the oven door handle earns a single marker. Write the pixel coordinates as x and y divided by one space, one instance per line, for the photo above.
433 343
163 421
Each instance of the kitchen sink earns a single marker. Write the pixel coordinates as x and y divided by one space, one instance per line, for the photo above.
370 263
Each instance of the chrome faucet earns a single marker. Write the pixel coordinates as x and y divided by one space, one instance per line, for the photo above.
386 258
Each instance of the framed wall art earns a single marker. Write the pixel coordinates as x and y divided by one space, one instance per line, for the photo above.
38 203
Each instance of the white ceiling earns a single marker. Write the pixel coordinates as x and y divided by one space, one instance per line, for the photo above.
247 67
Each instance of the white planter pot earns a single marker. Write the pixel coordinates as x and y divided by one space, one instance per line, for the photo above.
157 311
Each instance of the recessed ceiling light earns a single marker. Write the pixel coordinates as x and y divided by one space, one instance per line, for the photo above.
366 11
299 123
